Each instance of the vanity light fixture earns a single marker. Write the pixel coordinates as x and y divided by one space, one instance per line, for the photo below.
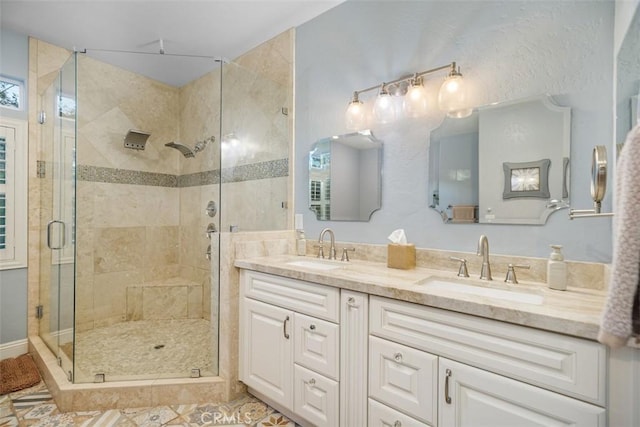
451 98
383 109
415 101
355 113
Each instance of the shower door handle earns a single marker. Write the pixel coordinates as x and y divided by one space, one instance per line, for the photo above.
64 233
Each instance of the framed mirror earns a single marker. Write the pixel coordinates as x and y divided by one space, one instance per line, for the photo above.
345 177
507 163
628 80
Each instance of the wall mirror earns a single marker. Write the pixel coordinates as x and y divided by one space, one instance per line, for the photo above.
345 175
628 80
507 163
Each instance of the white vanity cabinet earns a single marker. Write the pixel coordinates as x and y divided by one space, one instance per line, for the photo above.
331 357
489 373
290 341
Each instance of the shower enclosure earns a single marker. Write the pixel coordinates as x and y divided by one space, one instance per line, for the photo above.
130 230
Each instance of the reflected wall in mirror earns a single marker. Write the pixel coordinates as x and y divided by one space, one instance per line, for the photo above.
628 80
345 175
453 169
507 163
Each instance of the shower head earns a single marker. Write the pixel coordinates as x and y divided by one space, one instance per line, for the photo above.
136 139
186 151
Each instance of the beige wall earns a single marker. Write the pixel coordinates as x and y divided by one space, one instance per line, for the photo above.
127 232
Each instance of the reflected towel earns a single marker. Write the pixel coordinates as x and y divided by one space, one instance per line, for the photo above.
621 316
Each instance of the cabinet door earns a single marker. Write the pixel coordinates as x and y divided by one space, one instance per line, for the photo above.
404 378
266 352
316 398
473 397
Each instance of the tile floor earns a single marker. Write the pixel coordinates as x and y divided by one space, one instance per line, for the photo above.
34 407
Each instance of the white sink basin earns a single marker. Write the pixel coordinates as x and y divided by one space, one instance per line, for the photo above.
315 265
470 289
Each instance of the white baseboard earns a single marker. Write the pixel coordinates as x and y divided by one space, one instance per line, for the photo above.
13 349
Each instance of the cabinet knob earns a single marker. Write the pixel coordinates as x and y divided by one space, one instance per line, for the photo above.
312 327
398 357
351 302
312 382
397 424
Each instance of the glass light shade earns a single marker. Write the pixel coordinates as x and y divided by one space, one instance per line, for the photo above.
415 101
354 116
452 95
383 109
460 114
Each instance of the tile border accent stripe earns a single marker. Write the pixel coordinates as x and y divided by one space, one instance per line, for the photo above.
263 170
125 176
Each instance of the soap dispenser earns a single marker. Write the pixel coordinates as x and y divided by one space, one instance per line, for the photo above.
557 269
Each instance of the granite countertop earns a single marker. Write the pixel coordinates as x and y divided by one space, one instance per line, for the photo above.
575 311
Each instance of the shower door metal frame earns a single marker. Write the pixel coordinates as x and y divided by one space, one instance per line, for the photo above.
57 297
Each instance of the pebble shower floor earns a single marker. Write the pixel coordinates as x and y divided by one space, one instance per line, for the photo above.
35 407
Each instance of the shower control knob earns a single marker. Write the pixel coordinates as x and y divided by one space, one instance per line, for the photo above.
212 209
211 228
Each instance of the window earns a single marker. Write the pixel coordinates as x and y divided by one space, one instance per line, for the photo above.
11 93
13 194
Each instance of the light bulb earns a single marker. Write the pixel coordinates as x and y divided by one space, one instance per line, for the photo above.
415 101
452 96
354 116
460 114
383 108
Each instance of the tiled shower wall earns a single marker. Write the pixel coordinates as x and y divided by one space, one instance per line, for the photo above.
140 214
127 200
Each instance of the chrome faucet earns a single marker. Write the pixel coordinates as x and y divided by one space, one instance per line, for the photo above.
332 249
483 251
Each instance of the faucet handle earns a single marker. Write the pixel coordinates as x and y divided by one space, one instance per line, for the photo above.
345 253
320 250
462 270
511 273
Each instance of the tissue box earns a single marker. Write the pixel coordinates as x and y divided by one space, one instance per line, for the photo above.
401 256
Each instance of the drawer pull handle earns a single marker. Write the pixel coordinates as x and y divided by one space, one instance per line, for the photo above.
312 382
351 302
398 357
397 424
284 328
447 374
312 327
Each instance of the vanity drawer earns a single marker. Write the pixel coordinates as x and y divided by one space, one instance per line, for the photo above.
404 378
317 345
316 398
303 297
382 416
572 366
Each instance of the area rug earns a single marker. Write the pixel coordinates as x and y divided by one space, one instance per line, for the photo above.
17 374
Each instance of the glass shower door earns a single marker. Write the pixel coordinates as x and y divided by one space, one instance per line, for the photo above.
57 189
